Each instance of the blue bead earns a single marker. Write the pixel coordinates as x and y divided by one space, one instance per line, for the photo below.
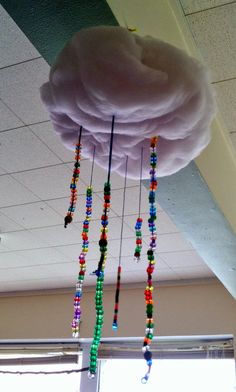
99 273
115 326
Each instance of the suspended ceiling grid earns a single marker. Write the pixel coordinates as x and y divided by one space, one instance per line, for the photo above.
36 252
198 196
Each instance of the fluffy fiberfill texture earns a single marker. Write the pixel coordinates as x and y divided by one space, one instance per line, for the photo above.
152 88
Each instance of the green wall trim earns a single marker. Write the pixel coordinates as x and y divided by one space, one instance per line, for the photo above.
49 24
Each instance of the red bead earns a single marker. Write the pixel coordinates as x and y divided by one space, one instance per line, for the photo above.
150 270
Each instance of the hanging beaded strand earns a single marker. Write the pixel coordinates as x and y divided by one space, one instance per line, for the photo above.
73 186
101 267
75 325
117 295
151 262
138 225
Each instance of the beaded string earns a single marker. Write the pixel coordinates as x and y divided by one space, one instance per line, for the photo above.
117 295
138 225
101 267
151 262
69 216
75 325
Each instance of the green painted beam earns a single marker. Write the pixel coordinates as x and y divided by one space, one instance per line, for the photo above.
49 24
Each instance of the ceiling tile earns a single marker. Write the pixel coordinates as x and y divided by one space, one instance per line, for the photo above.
215 35
70 252
131 200
2 171
49 183
13 193
47 134
19 86
30 257
174 242
19 240
10 260
164 224
58 235
196 272
114 229
3 248
8 119
100 177
40 272
190 6
226 96
165 275
128 246
183 259
61 206
33 215
7 224
22 150
136 276
36 284
15 47
128 264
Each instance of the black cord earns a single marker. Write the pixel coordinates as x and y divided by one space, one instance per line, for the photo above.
46 373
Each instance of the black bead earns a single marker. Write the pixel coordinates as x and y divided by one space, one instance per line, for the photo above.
67 220
103 242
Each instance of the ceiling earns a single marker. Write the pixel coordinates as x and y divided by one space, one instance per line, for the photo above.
36 252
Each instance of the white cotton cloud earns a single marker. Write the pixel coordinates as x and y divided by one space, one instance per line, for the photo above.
151 87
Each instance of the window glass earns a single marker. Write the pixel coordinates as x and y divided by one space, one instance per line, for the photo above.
168 375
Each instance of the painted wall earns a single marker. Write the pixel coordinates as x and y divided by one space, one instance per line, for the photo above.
180 310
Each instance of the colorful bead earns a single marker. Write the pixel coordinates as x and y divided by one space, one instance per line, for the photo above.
99 285
82 261
138 232
148 293
73 186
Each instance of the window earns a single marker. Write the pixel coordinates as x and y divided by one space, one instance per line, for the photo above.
40 356
180 364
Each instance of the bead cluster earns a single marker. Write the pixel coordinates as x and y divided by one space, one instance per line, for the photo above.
82 262
151 262
138 232
116 307
73 189
99 286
